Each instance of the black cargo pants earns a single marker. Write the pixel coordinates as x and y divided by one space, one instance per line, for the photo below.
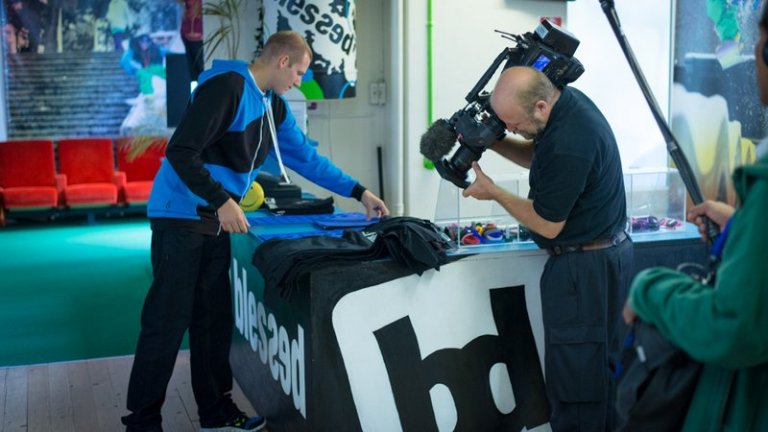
582 295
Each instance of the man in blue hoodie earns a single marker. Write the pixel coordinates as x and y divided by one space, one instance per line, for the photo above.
226 133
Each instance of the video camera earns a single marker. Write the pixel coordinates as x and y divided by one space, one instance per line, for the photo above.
549 49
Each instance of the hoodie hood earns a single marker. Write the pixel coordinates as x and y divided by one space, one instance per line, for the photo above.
225 66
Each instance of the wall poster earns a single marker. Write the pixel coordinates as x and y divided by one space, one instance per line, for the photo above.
716 114
80 68
329 27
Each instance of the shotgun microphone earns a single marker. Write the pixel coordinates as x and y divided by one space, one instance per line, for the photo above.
438 140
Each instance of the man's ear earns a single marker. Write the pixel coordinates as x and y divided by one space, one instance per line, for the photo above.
283 61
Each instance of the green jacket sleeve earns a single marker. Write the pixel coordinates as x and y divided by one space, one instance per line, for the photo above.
726 324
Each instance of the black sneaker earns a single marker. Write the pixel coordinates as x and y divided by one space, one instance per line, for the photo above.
238 424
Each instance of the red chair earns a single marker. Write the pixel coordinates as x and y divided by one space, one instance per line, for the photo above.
139 169
89 165
28 178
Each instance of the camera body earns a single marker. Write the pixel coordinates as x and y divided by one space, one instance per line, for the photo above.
549 49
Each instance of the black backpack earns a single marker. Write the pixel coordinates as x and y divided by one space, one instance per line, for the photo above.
656 381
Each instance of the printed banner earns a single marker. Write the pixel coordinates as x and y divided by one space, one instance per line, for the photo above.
329 27
376 348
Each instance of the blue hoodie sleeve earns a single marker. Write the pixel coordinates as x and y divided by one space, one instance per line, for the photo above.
299 154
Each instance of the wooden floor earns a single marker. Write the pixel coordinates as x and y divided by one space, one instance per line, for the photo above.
89 396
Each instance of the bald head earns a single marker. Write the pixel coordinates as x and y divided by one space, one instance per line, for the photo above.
522 99
523 86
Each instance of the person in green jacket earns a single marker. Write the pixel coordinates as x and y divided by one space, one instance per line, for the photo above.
725 326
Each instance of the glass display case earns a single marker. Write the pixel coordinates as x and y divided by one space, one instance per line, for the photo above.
471 223
656 203
656 200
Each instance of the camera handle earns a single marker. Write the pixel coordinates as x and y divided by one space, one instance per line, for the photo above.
673 148
474 94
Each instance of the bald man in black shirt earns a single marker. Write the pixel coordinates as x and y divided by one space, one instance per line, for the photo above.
576 210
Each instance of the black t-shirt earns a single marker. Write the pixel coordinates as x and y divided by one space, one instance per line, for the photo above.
576 173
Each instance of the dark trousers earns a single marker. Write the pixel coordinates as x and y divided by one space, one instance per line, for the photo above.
582 296
191 290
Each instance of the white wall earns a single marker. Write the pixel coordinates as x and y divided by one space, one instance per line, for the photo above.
609 81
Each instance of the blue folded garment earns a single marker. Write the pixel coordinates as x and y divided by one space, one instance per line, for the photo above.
344 220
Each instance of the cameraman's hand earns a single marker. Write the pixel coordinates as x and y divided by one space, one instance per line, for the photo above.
232 218
483 188
717 212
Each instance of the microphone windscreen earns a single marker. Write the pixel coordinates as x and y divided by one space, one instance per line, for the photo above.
438 140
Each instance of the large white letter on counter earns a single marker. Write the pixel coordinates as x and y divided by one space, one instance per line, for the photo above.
455 342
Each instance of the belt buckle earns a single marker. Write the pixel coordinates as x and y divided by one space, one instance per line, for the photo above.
557 250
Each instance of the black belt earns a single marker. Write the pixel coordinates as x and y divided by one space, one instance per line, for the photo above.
614 240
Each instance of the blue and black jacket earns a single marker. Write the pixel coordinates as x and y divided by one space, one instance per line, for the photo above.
220 143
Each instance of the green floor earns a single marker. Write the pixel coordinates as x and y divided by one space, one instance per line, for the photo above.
71 292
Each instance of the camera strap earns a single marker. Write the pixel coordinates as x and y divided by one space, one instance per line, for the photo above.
716 252
717 247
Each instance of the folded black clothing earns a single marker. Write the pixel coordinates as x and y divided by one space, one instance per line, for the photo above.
276 259
416 244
